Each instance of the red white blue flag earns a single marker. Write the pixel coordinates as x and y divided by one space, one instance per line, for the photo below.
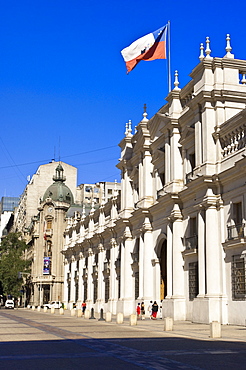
148 47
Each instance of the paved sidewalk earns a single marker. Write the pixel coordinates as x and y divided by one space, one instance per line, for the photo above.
36 340
185 329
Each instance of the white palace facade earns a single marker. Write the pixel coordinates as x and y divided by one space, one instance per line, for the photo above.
177 232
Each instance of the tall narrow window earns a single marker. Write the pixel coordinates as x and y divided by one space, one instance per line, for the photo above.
49 224
238 278
106 290
136 285
193 280
76 292
85 291
237 213
95 291
236 230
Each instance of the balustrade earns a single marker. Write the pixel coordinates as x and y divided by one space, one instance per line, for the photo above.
235 231
233 141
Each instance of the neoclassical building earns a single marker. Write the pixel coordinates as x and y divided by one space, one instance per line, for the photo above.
177 232
46 241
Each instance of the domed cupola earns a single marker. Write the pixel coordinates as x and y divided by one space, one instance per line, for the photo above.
58 191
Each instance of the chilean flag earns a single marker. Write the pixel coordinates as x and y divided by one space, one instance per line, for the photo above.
148 47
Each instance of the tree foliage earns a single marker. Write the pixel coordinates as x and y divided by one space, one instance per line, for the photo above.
11 262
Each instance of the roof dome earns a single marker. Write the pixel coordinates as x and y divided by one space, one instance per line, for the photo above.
58 191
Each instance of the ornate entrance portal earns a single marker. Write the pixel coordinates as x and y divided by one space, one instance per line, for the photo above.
163 270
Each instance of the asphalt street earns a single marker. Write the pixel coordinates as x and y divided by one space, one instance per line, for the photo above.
39 340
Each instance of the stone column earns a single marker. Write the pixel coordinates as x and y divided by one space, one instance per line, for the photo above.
201 253
175 307
100 279
198 138
176 160
112 278
178 273
167 159
126 273
72 292
122 268
147 177
169 261
147 264
81 281
141 268
65 292
213 265
89 279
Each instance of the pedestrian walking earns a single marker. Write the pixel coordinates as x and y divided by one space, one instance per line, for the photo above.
138 310
150 309
83 307
142 311
154 310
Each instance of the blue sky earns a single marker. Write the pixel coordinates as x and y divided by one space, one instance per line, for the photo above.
64 91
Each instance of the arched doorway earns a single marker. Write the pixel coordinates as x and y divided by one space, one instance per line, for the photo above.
163 270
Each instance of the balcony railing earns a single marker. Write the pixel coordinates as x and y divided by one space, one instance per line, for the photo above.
95 269
191 242
235 231
85 272
189 177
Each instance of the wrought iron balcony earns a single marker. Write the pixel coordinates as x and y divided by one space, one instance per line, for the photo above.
95 269
191 242
189 177
85 272
236 231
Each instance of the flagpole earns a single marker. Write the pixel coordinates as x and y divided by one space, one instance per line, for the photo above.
169 58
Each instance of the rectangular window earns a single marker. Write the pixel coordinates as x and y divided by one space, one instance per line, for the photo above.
237 213
49 224
136 285
119 291
236 230
193 280
76 292
106 290
95 292
238 278
85 291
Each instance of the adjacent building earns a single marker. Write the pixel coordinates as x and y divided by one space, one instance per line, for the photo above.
50 198
177 232
7 207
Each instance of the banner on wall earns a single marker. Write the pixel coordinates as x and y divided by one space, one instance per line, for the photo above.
46 268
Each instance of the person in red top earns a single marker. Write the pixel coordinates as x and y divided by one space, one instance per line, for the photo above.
138 310
154 310
83 308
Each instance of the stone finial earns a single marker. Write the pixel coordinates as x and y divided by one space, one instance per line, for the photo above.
115 188
208 50
129 127
202 56
176 81
228 48
145 114
126 131
243 80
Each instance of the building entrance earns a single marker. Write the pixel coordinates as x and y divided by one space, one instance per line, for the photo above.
46 292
